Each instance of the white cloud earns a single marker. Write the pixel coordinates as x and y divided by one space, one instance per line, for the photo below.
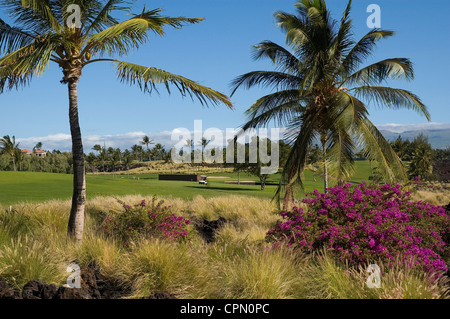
400 128
63 142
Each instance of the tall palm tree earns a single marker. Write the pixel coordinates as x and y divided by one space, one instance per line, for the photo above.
42 34
319 87
97 148
8 146
18 157
127 158
103 157
147 141
137 152
90 159
37 147
204 142
159 151
189 143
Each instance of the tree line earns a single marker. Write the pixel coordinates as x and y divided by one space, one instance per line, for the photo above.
421 160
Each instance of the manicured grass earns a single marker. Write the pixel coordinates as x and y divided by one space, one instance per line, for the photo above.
37 187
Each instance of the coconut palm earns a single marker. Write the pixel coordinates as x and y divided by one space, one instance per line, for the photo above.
319 85
127 158
189 143
147 141
37 147
97 148
44 32
159 151
18 157
90 159
8 146
136 150
204 142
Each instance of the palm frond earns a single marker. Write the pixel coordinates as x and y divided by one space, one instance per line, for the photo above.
103 18
363 49
341 148
130 34
34 15
12 38
393 98
298 32
280 105
147 78
375 147
342 42
292 173
394 69
283 60
18 67
276 80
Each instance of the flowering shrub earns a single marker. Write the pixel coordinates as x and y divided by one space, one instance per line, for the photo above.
144 222
369 223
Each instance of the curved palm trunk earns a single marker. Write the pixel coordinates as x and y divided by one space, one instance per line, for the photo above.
325 166
76 219
288 200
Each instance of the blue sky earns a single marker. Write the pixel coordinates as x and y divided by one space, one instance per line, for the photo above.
214 52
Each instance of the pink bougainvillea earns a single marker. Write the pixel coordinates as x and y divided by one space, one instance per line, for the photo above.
369 223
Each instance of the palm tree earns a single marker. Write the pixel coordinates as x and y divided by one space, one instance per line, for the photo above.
37 147
204 142
159 151
103 157
189 143
128 159
97 148
137 152
319 84
18 157
42 34
8 146
90 159
147 141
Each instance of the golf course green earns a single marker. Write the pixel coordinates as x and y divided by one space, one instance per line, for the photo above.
18 187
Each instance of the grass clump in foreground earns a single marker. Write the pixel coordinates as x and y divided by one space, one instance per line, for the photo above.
238 264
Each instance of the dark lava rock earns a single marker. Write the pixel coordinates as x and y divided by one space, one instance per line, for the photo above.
93 286
7 292
37 289
161 295
88 290
208 228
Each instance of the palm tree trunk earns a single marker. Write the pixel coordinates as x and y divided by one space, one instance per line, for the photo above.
325 166
76 219
288 200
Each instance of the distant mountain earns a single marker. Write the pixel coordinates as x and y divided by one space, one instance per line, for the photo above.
438 138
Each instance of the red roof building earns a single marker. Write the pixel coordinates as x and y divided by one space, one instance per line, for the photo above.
38 153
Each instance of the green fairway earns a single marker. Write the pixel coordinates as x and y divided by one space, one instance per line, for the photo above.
37 187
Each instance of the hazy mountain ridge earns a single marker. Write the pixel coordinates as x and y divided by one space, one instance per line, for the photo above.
438 138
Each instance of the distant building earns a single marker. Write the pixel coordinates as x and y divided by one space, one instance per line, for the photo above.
38 153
